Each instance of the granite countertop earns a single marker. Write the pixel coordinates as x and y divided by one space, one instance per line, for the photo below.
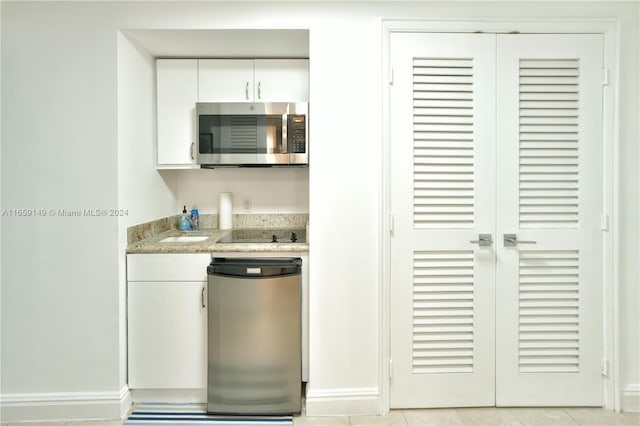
210 245
148 241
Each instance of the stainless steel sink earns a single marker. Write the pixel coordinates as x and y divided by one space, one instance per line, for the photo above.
184 239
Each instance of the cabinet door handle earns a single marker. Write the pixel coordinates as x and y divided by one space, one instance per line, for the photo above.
202 297
259 91
191 150
246 90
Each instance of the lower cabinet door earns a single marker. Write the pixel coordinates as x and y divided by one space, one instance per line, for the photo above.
167 332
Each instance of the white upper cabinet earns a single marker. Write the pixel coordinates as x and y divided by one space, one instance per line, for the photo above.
225 80
281 80
177 94
248 80
183 82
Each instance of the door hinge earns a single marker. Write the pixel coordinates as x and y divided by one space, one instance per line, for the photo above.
391 224
604 222
605 367
390 368
605 76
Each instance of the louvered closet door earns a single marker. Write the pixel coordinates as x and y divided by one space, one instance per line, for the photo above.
548 294
442 197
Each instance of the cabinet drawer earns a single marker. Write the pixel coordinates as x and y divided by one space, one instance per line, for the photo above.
167 267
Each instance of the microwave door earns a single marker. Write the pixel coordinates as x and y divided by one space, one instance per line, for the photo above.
253 140
237 134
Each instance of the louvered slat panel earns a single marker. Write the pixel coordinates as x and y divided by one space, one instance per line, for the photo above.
443 312
443 119
243 133
548 292
443 153
548 140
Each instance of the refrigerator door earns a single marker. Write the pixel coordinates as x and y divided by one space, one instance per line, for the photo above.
254 356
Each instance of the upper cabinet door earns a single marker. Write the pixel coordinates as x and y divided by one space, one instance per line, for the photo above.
177 94
225 80
281 80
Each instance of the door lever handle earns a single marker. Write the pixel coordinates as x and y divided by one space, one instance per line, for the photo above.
512 240
483 240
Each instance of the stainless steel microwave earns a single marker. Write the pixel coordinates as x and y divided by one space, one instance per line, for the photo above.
252 134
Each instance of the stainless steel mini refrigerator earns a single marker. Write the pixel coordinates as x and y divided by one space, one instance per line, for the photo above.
254 333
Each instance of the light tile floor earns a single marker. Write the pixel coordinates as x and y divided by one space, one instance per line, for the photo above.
480 417
443 417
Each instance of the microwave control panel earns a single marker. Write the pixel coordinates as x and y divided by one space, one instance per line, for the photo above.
296 133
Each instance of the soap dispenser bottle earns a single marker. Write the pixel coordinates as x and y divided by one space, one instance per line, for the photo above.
184 220
195 219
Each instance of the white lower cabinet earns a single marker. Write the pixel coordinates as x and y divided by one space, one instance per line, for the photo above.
167 329
167 321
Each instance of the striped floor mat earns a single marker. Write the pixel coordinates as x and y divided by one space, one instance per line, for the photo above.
188 414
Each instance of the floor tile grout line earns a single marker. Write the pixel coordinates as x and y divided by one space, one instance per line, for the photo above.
404 417
570 416
460 417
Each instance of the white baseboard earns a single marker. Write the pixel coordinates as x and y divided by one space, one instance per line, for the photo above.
631 398
65 406
175 396
342 402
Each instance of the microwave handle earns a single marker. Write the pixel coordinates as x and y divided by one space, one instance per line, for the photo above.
246 91
285 134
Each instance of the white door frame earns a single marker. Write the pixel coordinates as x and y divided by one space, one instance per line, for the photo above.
610 185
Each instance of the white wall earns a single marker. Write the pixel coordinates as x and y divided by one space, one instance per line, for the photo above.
629 224
273 190
60 335
61 289
143 193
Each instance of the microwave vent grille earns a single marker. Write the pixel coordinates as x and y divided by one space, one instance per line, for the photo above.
243 133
